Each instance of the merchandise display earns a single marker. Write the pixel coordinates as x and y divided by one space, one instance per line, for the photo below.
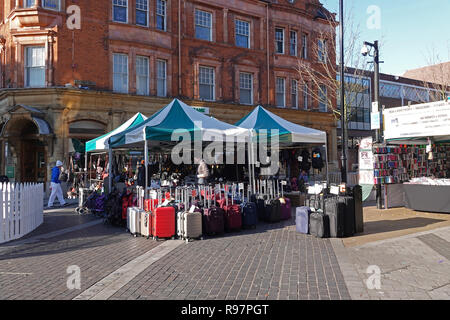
399 164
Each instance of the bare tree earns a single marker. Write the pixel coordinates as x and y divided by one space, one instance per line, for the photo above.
436 77
320 72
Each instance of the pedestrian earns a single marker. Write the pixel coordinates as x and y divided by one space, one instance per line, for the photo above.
55 186
202 172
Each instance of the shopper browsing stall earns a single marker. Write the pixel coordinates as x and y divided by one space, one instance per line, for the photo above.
56 186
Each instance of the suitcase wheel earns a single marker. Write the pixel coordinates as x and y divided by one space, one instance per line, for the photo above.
187 240
201 238
135 235
148 237
173 238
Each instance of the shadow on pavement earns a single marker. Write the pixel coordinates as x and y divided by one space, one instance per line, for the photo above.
374 227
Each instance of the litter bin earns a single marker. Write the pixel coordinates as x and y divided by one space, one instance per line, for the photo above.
356 192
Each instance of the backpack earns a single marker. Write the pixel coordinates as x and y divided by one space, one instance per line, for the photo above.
305 164
317 161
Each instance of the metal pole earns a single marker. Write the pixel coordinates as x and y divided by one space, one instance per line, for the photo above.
110 169
145 163
342 98
377 99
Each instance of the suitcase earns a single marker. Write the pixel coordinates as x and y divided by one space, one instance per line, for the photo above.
349 220
273 211
190 225
134 220
335 211
150 204
213 220
163 222
302 215
146 224
260 209
249 215
285 208
319 225
232 217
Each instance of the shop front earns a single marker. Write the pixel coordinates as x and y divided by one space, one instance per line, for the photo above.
26 138
414 164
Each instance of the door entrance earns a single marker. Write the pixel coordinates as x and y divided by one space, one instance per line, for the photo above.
33 161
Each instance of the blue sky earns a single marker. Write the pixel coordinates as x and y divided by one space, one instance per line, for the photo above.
409 30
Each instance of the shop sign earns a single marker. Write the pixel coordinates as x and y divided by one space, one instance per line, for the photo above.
204 110
420 120
10 170
366 161
375 121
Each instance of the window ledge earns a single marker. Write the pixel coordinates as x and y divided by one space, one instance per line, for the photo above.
35 17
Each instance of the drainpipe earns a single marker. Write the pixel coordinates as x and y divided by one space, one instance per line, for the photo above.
179 48
268 54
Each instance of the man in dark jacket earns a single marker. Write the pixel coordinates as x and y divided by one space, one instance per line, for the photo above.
55 186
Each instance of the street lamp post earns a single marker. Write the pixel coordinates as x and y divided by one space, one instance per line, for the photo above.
378 134
342 97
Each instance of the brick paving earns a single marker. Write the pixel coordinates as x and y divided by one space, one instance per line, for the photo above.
271 262
39 270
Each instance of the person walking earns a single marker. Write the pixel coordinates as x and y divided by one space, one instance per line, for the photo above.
55 186
202 172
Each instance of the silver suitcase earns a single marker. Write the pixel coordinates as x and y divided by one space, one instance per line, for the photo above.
191 225
146 224
134 220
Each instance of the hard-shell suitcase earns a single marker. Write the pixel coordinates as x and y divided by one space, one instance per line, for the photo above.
260 209
232 217
134 220
213 220
319 224
249 215
349 221
163 222
302 215
146 224
335 211
191 225
285 208
273 211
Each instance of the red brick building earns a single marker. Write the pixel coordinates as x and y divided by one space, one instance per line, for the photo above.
86 66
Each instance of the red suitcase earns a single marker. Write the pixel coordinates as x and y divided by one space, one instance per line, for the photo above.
150 204
127 201
163 222
232 216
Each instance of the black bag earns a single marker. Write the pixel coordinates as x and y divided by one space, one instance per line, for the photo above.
335 211
305 164
319 225
359 219
63 177
260 209
317 161
349 207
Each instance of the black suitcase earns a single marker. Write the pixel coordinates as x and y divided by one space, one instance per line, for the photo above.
272 211
349 221
260 209
335 211
319 225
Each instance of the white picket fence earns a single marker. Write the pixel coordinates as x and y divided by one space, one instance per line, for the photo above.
21 209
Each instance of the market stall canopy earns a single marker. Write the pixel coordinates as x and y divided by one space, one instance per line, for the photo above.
101 143
414 124
177 117
262 119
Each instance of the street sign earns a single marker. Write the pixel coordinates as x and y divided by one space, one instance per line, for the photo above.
375 120
375 106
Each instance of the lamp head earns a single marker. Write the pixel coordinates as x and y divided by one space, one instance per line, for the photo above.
365 50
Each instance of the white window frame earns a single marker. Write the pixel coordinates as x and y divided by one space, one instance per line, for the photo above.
294 90
161 62
213 84
245 88
242 34
277 92
159 14
43 67
278 40
144 10
127 73
296 43
203 26
323 93
120 5
322 50
305 46
145 60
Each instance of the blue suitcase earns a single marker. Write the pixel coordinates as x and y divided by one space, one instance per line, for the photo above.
302 219
249 215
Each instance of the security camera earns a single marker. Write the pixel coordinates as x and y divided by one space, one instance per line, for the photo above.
365 50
